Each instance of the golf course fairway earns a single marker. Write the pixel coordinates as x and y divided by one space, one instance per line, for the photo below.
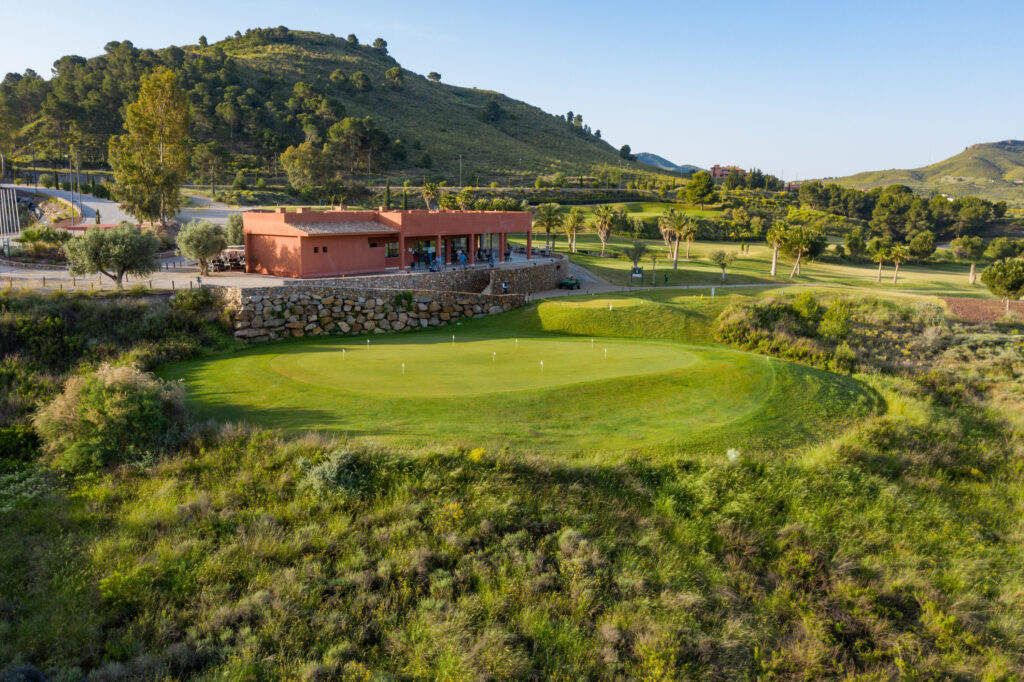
596 395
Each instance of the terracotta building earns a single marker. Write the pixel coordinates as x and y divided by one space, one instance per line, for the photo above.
308 243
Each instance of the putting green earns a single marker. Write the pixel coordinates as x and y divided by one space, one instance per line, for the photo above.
490 392
450 367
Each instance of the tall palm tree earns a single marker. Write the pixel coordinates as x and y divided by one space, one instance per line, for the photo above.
899 253
573 223
671 224
604 216
879 249
797 244
430 193
776 237
688 232
548 217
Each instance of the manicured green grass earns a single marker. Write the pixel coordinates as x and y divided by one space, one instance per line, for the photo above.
488 388
754 267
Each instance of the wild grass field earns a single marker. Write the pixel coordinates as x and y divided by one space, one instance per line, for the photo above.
877 544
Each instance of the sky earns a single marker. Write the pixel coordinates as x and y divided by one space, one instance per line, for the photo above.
798 89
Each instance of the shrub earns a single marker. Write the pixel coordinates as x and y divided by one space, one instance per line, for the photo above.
112 416
835 323
18 444
342 473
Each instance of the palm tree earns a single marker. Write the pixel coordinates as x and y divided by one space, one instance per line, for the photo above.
573 223
671 224
604 215
688 232
430 193
776 237
879 250
635 252
549 218
797 243
899 253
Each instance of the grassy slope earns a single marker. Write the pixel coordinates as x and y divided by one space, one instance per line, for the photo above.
664 402
442 117
231 561
992 170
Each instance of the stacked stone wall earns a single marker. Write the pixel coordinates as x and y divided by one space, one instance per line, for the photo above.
452 279
532 277
269 313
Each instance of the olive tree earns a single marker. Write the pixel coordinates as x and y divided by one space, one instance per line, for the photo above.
722 260
119 251
201 241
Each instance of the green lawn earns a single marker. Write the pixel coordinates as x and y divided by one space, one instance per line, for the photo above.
754 267
488 388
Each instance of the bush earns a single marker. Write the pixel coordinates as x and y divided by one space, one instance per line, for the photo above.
46 180
18 444
113 416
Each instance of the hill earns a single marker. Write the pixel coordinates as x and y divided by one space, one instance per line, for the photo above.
259 92
993 170
664 164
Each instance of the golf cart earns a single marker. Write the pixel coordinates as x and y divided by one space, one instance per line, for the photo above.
569 283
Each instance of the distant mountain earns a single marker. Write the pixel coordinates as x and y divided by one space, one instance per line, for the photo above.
663 163
993 170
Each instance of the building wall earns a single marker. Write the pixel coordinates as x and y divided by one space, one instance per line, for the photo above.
345 253
273 255
277 244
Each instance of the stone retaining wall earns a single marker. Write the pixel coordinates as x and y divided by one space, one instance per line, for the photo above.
32 266
268 313
532 277
453 279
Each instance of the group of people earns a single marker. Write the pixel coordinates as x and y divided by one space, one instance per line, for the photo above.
428 260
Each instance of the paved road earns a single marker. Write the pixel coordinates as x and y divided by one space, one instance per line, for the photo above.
110 212
207 209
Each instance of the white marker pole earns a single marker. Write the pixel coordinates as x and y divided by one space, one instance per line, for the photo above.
712 292
367 343
541 366
453 339
403 369
494 356
342 353
591 344
517 344
605 353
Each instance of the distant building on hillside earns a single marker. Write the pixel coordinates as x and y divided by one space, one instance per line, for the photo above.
722 172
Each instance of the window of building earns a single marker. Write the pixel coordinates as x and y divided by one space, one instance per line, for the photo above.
316 249
374 245
391 250
325 249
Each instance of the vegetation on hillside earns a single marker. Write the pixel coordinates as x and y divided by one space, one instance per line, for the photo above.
993 171
891 550
254 95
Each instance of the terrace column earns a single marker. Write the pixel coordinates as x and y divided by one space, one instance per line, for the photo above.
472 249
402 262
529 244
438 252
501 247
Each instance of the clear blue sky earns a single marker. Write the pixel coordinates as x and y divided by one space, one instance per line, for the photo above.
809 88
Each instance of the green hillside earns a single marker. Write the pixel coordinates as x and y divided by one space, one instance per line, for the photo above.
994 171
259 92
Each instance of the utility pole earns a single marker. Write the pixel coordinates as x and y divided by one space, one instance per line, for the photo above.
460 170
